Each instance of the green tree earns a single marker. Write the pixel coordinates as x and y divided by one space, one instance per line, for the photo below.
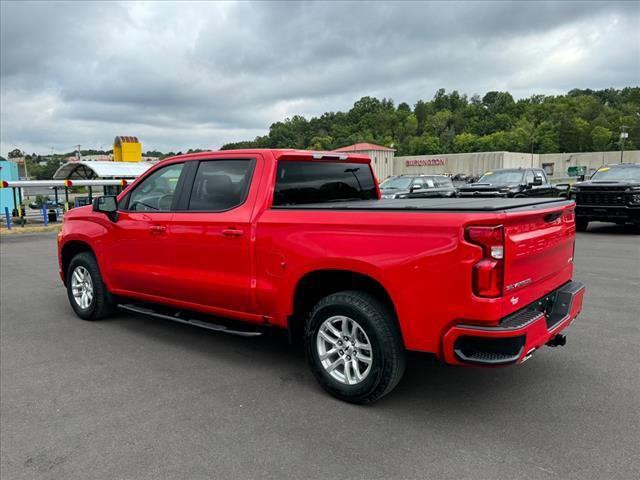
465 142
453 122
424 145
321 143
601 138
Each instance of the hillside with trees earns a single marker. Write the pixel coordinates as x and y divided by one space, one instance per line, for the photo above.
580 121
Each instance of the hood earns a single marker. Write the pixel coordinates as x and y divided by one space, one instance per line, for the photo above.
488 186
79 212
622 184
394 191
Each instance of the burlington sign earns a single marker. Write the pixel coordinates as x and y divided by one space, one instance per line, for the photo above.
422 162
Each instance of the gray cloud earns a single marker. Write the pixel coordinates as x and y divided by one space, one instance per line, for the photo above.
183 75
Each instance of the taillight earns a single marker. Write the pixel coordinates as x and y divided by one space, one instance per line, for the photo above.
488 273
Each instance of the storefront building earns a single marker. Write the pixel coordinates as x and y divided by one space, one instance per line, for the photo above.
555 164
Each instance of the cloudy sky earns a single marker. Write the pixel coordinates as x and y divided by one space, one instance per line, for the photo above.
181 75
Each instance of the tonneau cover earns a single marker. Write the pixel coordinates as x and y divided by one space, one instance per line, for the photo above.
434 204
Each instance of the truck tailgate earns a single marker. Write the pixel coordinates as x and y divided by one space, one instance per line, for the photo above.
539 246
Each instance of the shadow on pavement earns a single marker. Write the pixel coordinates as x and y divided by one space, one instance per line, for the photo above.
427 384
611 228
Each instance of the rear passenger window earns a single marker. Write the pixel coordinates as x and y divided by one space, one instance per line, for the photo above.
322 182
220 185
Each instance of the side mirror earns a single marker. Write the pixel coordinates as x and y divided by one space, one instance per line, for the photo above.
107 205
416 187
537 181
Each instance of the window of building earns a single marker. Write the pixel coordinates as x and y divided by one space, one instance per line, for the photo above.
548 168
319 182
220 185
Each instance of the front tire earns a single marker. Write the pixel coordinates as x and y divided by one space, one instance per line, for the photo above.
582 225
354 347
87 293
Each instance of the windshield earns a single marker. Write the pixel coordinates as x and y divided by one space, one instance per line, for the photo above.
440 182
504 176
616 174
396 183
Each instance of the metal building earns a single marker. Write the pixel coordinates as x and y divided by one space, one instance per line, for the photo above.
381 157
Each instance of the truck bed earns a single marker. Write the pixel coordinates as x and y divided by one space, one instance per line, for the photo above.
434 204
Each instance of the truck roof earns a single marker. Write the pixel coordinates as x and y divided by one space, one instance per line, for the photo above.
279 154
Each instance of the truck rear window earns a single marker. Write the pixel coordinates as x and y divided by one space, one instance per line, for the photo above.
322 182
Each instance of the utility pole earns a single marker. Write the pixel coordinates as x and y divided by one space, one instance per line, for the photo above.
532 140
26 170
623 136
78 155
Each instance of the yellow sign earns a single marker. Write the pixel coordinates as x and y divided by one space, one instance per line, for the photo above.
127 149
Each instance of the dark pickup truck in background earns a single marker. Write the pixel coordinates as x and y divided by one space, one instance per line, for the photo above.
611 195
510 183
418 186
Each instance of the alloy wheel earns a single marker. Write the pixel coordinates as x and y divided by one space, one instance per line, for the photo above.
82 287
344 350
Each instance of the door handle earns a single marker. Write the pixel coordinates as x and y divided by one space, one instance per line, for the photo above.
232 232
157 229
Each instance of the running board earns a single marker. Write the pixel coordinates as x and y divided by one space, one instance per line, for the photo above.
197 323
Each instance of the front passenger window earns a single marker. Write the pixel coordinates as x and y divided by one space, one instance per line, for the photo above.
155 193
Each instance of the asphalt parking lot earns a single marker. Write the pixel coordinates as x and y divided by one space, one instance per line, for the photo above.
138 398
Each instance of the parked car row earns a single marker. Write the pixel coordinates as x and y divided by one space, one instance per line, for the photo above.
506 183
612 194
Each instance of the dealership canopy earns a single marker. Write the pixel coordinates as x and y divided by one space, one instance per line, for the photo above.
97 169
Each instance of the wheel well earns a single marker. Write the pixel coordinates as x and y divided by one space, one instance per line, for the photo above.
316 285
70 250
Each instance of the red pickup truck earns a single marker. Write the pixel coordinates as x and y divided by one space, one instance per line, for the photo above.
301 240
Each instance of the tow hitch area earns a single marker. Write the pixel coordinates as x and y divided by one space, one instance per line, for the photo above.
519 335
558 341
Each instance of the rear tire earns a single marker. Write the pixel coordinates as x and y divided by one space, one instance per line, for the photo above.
582 225
361 374
87 293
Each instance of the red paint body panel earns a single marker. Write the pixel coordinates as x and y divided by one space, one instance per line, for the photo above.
186 260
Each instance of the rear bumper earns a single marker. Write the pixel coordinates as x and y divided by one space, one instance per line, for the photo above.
518 335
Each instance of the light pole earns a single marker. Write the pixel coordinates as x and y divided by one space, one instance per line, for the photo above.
532 140
623 136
